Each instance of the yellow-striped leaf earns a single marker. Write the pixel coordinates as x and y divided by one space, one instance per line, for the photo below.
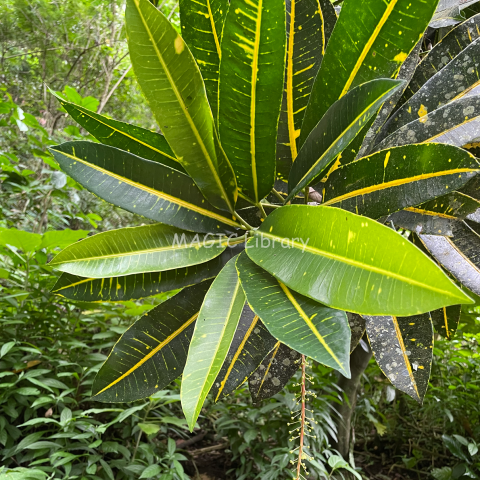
403 349
303 324
446 319
141 186
153 351
250 91
171 81
213 334
127 251
250 345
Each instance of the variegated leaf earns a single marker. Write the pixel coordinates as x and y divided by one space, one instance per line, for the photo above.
445 320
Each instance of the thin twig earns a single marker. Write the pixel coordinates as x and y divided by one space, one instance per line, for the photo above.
107 98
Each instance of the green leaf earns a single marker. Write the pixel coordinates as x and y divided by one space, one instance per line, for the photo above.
136 140
61 238
149 428
140 285
151 471
309 26
336 130
6 347
401 177
304 325
250 345
202 27
445 320
172 84
451 83
442 54
250 91
455 447
214 331
460 255
403 349
24 241
383 34
352 263
152 352
150 248
141 186
276 369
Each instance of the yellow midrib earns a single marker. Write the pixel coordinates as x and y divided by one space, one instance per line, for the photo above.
275 350
429 212
445 319
214 30
290 112
185 109
152 353
357 264
368 46
397 183
157 193
310 323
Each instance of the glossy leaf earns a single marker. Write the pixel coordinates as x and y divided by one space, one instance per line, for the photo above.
202 27
422 223
401 177
152 352
276 369
150 248
357 327
445 320
141 186
136 140
350 263
212 337
460 255
299 322
140 285
343 121
443 53
372 38
309 26
250 345
456 123
250 91
174 88
451 83
403 349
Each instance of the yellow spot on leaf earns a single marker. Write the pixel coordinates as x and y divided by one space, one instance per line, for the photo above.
401 57
422 113
179 45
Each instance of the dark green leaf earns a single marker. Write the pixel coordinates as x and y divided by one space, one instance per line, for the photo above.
336 130
250 345
403 349
308 327
445 320
372 278
172 83
140 186
276 369
153 351
401 177
150 248
250 91
357 327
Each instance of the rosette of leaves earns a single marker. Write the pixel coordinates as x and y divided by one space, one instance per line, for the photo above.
258 102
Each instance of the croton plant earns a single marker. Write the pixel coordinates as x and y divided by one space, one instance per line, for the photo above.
296 195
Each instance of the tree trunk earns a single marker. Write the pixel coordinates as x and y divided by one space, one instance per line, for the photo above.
359 359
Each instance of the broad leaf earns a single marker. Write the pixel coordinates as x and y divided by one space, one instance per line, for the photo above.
24 241
276 369
202 26
250 91
460 255
401 177
452 82
140 285
357 327
213 334
150 248
141 186
372 38
442 54
152 352
350 263
336 130
133 139
174 88
449 12
445 320
309 26
250 345
403 349
304 325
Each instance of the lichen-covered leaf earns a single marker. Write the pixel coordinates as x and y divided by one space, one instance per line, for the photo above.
403 349
357 327
449 12
445 320
276 369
